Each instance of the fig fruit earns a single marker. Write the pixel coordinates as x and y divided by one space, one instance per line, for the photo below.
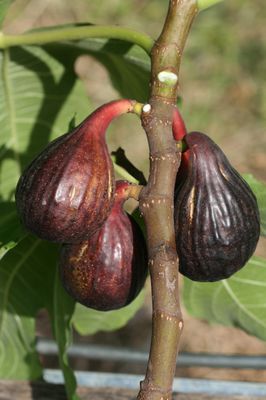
216 214
108 270
67 192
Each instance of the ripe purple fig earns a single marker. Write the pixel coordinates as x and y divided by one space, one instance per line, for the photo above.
216 214
67 192
108 270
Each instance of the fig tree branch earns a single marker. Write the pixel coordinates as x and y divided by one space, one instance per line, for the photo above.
157 200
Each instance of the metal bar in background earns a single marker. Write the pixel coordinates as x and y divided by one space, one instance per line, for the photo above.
98 352
181 385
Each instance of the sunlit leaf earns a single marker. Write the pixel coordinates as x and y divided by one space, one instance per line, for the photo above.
238 301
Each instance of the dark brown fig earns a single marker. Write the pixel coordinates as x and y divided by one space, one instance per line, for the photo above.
216 214
67 192
107 271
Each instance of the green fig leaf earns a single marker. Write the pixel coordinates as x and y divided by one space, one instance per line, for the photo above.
23 291
28 283
128 65
88 321
243 294
259 189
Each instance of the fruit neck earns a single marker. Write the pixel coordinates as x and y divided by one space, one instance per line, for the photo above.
125 190
103 116
179 127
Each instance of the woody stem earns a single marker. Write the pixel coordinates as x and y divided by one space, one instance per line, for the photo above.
156 200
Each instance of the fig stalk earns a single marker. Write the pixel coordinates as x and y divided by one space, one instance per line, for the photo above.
157 200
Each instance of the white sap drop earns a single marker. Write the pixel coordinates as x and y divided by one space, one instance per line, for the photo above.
168 77
146 108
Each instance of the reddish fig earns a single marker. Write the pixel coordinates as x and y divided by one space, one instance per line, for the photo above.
107 271
216 214
67 191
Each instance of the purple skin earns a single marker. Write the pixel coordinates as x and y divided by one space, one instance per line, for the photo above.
107 271
216 214
67 192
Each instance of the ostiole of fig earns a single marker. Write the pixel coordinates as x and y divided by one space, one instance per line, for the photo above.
67 192
107 271
217 220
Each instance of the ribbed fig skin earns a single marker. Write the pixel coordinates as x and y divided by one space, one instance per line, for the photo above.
67 191
216 214
107 271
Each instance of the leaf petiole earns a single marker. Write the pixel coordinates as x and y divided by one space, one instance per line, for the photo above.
76 33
